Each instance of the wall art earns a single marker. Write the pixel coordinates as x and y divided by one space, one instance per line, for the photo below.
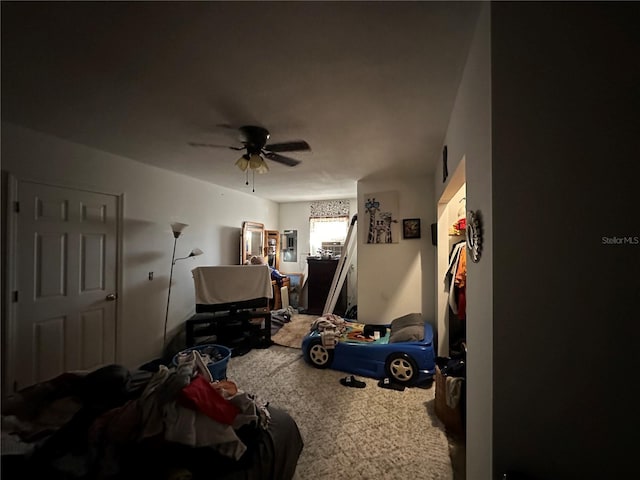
381 217
411 228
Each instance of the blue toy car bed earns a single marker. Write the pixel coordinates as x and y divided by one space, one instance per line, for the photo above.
403 352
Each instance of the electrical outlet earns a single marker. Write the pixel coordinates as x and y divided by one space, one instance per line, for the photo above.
150 275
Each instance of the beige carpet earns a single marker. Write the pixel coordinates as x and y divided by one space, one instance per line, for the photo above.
292 333
348 433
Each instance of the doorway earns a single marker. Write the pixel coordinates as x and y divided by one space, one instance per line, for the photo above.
451 238
62 281
451 314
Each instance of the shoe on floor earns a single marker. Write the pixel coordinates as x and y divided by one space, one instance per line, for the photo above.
352 381
387 383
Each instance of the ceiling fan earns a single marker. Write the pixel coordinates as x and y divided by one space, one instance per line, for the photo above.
254 141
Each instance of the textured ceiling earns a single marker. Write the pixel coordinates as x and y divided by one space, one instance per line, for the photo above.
369 85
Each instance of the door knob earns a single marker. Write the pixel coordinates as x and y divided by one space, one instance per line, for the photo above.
111 297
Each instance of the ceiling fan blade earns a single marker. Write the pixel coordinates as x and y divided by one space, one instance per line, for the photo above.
213 145
226 126
288 161
293 146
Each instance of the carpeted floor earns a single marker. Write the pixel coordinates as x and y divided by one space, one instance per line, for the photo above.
349 433
291 334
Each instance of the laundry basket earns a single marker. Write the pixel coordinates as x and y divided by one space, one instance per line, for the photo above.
218 353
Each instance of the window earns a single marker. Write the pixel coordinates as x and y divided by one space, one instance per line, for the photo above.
328 223
327 229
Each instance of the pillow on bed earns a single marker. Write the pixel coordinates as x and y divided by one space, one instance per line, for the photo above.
406 321
410 333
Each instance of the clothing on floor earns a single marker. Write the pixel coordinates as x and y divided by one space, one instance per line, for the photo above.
453 390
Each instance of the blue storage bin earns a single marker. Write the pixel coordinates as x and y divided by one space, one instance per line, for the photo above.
218 368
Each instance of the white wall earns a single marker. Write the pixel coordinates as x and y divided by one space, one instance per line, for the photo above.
547 125
153 198
565 157
295 216
469 138
398 278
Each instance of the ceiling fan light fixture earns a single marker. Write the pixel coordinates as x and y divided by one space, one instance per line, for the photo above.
254 142
243 162
257 163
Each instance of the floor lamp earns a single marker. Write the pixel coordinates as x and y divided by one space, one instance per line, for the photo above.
177 229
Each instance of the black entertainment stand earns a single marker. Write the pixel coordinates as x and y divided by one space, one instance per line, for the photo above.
233 323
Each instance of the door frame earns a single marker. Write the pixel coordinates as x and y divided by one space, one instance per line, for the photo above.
11 273
456 182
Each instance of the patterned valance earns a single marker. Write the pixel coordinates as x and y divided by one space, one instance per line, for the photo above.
330 208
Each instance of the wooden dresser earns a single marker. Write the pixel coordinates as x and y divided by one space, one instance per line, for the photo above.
321 274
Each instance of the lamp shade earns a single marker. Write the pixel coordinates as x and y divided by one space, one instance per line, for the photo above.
177 228
193 253
253 162
243 162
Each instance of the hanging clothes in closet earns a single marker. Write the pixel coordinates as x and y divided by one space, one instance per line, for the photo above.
460 284
456 279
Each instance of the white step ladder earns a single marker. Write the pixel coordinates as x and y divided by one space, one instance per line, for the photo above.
342 269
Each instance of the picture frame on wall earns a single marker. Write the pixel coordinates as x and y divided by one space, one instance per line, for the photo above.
411 228
381 218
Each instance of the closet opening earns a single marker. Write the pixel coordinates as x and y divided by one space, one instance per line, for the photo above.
450 378
451 269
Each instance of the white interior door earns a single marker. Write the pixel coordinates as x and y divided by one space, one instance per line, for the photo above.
64 271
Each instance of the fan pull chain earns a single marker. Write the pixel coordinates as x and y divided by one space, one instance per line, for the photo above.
247 179
253 189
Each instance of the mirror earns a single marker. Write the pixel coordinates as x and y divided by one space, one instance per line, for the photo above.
290 246
252 241
272 248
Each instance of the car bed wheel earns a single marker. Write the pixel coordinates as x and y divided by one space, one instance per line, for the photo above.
320 356
401 368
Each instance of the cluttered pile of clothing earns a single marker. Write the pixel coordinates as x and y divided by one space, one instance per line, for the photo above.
331 328
113 423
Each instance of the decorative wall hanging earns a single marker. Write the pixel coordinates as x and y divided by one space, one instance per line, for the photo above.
445 167
474 235
411 228
381 216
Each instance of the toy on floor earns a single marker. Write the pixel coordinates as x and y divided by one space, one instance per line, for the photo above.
401 351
